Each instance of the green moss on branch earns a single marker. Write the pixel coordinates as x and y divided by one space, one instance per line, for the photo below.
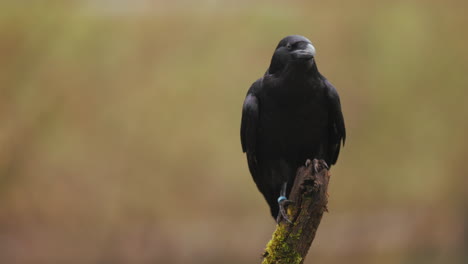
278 249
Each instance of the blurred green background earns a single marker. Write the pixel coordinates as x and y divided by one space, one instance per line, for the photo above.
119 129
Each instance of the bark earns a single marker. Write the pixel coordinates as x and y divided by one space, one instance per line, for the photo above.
291 241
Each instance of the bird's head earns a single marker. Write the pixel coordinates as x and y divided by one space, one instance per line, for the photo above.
292 50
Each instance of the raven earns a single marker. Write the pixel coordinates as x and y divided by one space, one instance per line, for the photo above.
291 114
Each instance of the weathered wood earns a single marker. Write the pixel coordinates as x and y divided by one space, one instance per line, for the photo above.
291 242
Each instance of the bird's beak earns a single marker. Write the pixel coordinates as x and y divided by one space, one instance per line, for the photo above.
307 53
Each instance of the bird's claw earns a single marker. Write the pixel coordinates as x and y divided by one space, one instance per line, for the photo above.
319 165
283 203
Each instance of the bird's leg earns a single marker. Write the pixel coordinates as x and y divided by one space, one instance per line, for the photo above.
283 203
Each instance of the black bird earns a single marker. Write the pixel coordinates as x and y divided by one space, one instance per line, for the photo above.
291 114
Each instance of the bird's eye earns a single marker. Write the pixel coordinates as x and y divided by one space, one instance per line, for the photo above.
288 46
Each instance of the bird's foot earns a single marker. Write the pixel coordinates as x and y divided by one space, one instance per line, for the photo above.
319 165
283 203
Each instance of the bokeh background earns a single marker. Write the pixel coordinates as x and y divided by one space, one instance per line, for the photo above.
119 129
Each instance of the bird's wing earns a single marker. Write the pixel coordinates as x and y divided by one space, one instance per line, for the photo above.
249 129
337 130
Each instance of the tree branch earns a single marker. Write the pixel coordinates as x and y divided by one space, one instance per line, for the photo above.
291 242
